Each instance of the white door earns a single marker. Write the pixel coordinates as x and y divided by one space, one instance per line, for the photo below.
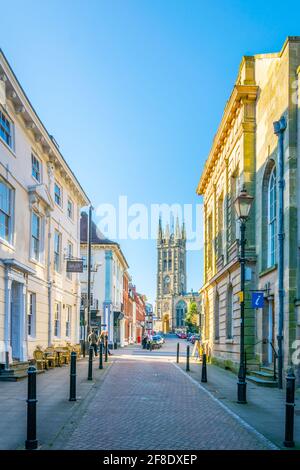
15 309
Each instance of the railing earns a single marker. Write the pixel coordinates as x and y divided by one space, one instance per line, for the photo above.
264 341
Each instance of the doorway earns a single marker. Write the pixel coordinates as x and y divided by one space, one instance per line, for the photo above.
268 331
166 324
16 320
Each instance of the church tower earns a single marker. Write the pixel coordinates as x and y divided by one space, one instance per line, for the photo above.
171 271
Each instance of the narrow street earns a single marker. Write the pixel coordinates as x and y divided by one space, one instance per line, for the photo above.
147 402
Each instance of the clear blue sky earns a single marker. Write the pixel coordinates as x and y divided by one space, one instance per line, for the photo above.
133 91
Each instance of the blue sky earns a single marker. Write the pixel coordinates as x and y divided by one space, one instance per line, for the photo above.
133 91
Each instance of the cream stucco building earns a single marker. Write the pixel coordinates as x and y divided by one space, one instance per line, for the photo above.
245 152
40 202
108 265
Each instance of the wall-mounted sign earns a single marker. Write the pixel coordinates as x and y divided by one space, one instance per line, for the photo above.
74 266
257 300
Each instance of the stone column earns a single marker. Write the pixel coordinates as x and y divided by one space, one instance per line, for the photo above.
7 321
23 323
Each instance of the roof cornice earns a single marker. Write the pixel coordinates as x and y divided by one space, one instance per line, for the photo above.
239 93
23 107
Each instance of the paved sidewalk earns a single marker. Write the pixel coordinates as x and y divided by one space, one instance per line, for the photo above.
265 410
54 411
149 404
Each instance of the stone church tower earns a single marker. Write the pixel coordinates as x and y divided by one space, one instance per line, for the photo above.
171 276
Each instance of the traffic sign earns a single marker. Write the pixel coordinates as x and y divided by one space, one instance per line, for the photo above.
257 300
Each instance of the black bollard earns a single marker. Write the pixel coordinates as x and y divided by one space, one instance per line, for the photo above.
289 409
188 358
100 355
203 372
106 348
73 377
177 359
31 442
90 373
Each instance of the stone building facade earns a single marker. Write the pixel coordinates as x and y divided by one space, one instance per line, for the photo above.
40 202
172 300
245 153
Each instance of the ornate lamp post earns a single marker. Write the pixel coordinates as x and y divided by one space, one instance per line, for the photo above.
242 205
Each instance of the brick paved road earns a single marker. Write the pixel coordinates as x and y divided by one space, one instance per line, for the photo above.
153 405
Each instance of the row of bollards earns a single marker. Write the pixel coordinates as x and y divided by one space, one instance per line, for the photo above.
31 443
290 396
187 368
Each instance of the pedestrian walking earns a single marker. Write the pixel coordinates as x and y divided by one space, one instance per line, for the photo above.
149 341
103 336
144 341
93 341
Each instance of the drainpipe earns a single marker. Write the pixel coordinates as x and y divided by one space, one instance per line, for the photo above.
297 302
89 259
50 169
279 129
50 282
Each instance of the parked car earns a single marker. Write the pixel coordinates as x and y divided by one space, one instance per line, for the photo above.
189 335
183 335
157 342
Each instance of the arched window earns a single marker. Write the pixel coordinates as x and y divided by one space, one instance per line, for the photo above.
272 231
229 313
268 217
217 316
180 313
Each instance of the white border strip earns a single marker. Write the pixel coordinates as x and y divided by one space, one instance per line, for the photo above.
229 411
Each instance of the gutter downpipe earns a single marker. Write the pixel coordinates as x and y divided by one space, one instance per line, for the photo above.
279 129
297 301
49 279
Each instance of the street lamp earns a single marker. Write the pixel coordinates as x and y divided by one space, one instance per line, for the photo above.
242 206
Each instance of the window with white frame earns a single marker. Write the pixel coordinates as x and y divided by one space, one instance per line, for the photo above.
57 194
69 255
70 209
272 218
35 168
31 314
6 200
6 129
35 237
68 321
57 310
57 250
